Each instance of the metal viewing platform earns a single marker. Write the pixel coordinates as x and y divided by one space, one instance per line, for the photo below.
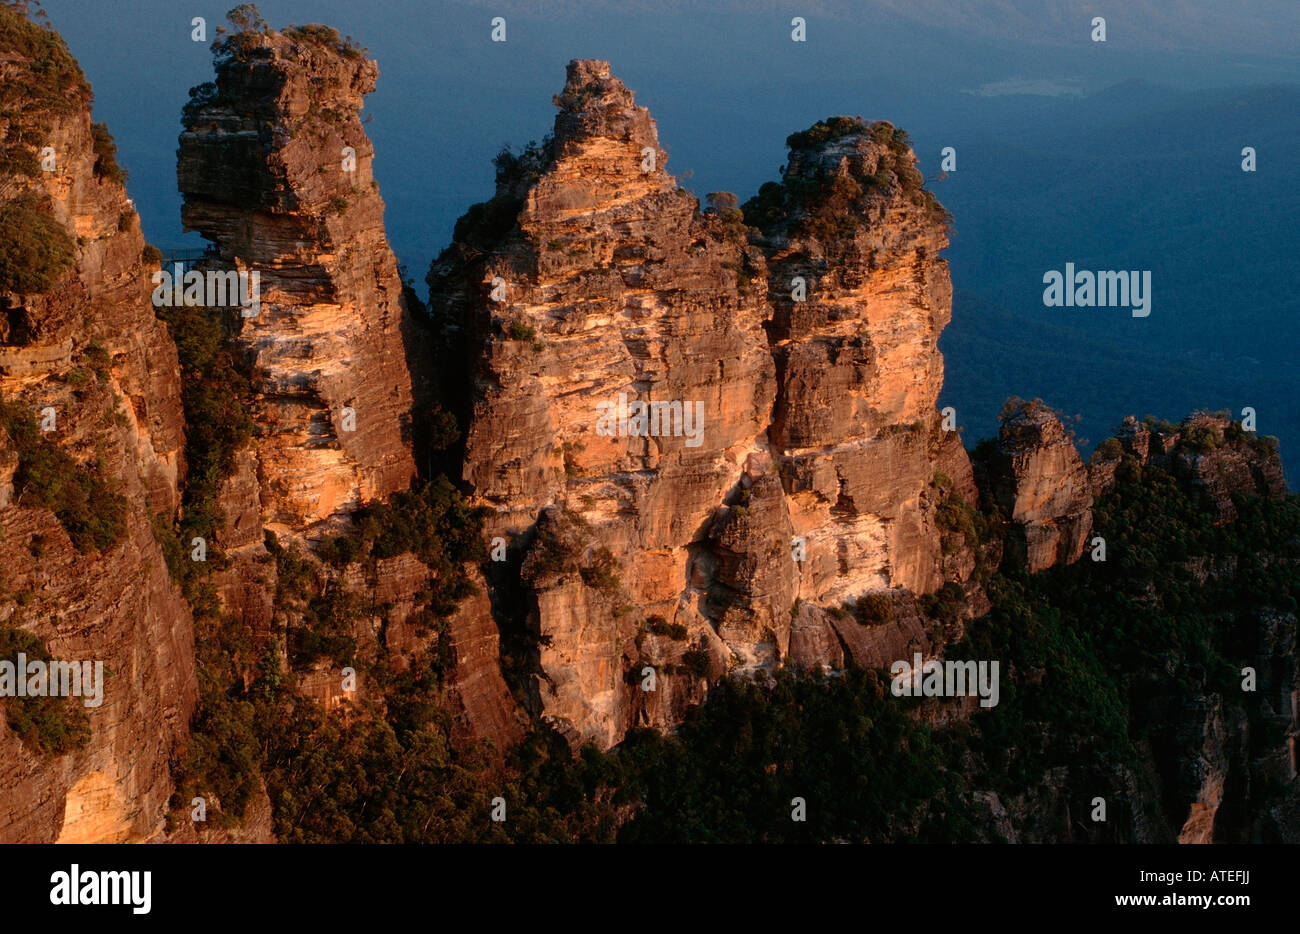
187 259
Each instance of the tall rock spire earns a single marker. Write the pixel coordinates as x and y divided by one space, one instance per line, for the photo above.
276 170
591 284
860 296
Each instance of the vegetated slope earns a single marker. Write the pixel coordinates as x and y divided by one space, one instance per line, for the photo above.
1120 680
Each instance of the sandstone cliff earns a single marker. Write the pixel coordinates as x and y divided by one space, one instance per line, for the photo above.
612 286
859 298
705 440
1035 476
1213 757
591 284
276 171
87 576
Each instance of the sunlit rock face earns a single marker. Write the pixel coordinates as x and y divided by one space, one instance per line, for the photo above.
1035 475
859 298
89 351
276 171
591 283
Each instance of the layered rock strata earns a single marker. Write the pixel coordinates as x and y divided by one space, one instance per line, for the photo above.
1036 477
859 298
591 284
86 357
276 171
610 292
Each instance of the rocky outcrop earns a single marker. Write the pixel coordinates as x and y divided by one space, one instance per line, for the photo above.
708 438
605 290
787 451
276 171
245 576
1036 477
859 297
88 353
1217 758
1210 452
752 578
1224 758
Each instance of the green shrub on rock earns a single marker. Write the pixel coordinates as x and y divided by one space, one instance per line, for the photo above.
35 250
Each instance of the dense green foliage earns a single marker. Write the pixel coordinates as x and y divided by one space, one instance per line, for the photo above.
35 250
254 727
864 768
519 331
487 222
106 154
215 397
365 782
48 726
238 44
833 206
1083 649
728 776
223 753
48 477
725 206
201 97
250 726
519 171
1109 638
433 522
326 37
51 83
825 131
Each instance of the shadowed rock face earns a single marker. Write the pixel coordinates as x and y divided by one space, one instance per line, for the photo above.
117 605
591 276
266 172
1036 476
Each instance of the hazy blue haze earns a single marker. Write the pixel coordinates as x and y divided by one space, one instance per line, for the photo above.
1133 164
